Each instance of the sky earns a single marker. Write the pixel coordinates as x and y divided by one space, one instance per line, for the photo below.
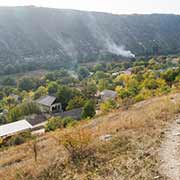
111 6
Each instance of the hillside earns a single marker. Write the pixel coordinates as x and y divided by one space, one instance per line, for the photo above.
130 153
32 37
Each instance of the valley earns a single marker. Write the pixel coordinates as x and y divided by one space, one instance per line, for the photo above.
88 95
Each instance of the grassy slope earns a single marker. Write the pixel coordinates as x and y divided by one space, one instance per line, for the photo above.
131 154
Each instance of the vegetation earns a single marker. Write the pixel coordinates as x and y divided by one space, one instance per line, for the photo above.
89 110
123 139
108 106
57 122
146 78
131 153
42 51
23 110
16 139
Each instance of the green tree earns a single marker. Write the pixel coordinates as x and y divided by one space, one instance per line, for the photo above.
75 102
89 90
169 76
22 110
65 94
100 75
27 84
89 109
9 82
52 87
41 91
83 73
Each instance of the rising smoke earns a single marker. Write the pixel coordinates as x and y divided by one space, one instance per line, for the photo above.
118 50
106 40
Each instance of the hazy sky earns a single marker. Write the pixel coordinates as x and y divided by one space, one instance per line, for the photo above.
114 6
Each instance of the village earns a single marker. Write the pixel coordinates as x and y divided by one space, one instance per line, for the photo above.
49 107
60 99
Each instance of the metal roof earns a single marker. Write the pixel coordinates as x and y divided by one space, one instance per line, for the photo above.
15 127
46 100
109 93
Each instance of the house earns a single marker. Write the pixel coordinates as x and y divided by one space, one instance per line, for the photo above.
49 104
108 94
14 128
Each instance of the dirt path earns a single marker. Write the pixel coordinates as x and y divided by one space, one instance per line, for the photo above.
170 152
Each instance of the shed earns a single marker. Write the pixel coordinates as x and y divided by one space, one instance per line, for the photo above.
14 128
49 104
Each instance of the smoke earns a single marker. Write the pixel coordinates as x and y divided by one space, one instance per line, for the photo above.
105 40
118 50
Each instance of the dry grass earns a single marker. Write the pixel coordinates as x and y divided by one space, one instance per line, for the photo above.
131 154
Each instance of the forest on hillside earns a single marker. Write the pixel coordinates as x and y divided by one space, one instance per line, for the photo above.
34 38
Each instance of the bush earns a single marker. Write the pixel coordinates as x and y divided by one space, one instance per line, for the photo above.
76 144
57 122
108 105
54 123
89 109
68 121
18 139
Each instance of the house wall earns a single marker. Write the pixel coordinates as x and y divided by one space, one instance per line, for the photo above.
45 108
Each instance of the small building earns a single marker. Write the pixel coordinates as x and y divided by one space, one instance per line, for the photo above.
108 94
74 113
14 128
49 104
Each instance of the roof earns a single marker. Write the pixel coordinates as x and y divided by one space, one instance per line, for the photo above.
36 119
15 127
74 113
109 93
46 100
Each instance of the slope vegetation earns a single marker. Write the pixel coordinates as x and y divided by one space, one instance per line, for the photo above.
49 37
80 152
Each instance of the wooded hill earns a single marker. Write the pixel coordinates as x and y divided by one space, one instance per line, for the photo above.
32 37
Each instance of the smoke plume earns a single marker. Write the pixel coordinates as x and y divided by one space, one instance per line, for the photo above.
119 50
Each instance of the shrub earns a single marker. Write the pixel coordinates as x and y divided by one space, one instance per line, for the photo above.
77 144
18 139
68 121
89 109
108 105
54 123
57 122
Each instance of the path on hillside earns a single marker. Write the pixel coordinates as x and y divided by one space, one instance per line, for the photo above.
170 152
